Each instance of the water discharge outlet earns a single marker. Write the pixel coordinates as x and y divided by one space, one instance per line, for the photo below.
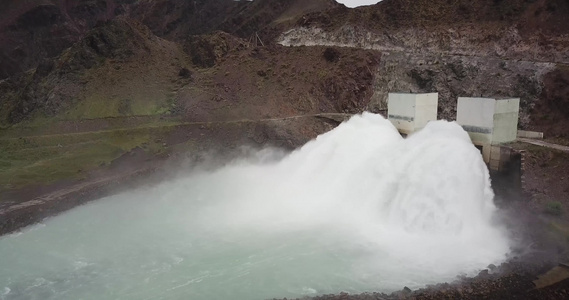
357 209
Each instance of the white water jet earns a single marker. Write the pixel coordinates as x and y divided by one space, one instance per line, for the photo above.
357 209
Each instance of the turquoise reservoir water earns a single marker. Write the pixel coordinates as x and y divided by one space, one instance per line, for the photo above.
358 209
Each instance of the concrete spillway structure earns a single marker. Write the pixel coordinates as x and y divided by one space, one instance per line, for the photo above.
489 122
411 112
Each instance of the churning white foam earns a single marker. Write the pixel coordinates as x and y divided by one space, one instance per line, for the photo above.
357 209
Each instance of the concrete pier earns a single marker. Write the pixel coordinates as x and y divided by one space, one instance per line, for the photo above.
490 123
411 112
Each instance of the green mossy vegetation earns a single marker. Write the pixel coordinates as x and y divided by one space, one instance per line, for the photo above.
554 208
96 107
46 159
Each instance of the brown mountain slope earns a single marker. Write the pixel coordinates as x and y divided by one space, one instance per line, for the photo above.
35 29
31 30
99 76
121 69
176 19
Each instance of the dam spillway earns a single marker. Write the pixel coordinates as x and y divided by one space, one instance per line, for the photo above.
357 209
490 122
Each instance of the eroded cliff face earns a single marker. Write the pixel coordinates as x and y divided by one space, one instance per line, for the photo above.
509 51
516 29
506 44
31 31
454 76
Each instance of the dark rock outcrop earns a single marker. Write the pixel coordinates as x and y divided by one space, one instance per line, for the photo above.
206 50
118 39
551 113
56 83
33 30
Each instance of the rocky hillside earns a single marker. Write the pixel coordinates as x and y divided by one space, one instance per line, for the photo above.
458 48
122 69
98 77
31 30
514 29
35 29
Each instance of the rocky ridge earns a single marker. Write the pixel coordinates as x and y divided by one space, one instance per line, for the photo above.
512 29
36 29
